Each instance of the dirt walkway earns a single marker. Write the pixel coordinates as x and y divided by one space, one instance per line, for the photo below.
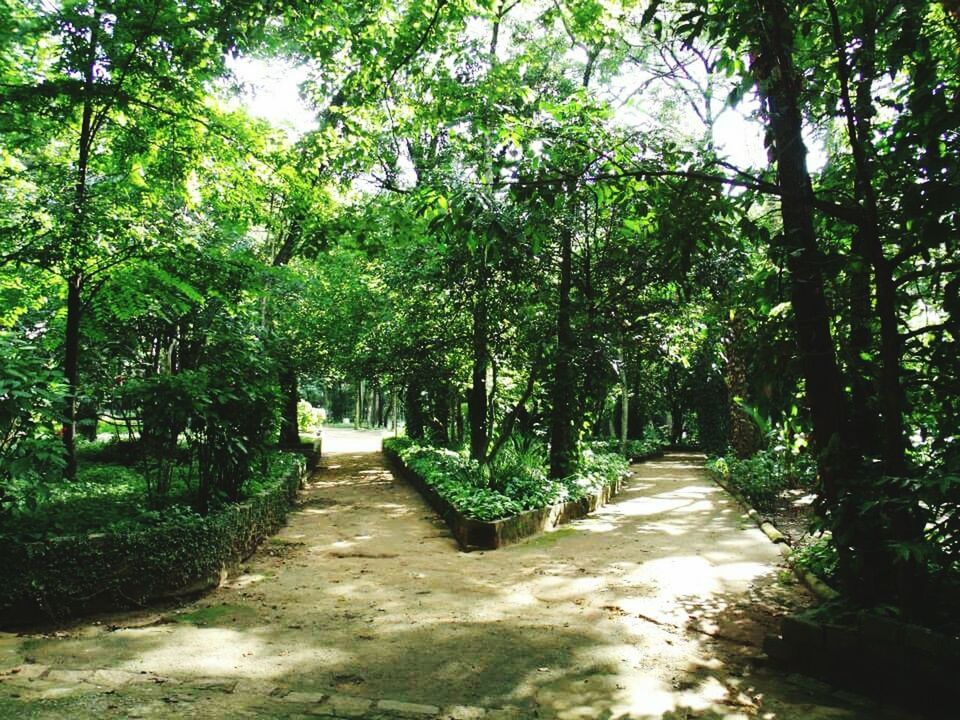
362 606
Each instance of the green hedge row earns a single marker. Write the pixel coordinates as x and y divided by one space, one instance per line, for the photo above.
62 577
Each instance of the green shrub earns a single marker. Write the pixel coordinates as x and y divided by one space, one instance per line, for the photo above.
32 399
309 418
650 445
133 561
517 481
109 498
763 477
818 557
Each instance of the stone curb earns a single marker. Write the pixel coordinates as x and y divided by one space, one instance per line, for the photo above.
820 589
45 682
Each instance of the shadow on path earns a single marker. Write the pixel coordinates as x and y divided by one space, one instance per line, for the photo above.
653 607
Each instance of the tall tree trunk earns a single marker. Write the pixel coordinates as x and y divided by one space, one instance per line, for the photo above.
290 392
624 403
414 411
744 434
394 409
870 239
358 405
71 363
477 402
779 84
71 349
863 559
864 414
563 447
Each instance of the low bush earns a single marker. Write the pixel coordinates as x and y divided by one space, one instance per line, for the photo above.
650 445
113 498
819 557
763 477
142 557
517 480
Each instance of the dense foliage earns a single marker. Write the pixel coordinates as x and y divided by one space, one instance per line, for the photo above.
111 498
516 483
518 227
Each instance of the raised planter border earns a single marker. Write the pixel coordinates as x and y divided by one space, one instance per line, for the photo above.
473 534
901 658
33 593
909 663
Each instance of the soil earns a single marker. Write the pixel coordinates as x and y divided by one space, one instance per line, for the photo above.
655 606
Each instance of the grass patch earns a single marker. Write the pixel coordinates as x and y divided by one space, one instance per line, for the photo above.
549 538
217 615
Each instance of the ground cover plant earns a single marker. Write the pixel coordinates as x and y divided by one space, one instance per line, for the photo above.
512 485
111 498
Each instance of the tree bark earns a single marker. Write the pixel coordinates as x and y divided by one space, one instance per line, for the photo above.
477 404
624 403
71 349
779 85
745 437
290 392
414 411
870 242
562 436
358 405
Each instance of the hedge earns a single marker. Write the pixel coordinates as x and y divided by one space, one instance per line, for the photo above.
64 576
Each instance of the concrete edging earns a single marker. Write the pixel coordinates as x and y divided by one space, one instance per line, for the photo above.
474 534
820 589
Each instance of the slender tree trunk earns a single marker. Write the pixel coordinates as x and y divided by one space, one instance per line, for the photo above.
71 349
71 362
624 403
394 407
871 243
358 405
477 405
864 414
290 392
414 411
744 434
562 437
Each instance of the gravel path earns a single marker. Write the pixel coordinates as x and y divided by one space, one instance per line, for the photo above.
653 607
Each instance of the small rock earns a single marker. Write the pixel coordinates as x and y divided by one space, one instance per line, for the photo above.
304 698
343 706
227 686
404 708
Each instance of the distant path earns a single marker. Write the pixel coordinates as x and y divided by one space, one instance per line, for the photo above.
654 607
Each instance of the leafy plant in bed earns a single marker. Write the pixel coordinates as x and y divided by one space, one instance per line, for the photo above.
515 482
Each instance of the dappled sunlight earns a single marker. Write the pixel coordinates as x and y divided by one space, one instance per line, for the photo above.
629 613
222 652
245 580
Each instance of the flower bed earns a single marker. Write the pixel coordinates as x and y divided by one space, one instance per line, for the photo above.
484 517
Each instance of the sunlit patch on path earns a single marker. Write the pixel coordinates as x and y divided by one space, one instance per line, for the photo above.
654 607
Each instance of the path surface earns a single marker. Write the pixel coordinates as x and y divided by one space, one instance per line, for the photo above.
654 607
